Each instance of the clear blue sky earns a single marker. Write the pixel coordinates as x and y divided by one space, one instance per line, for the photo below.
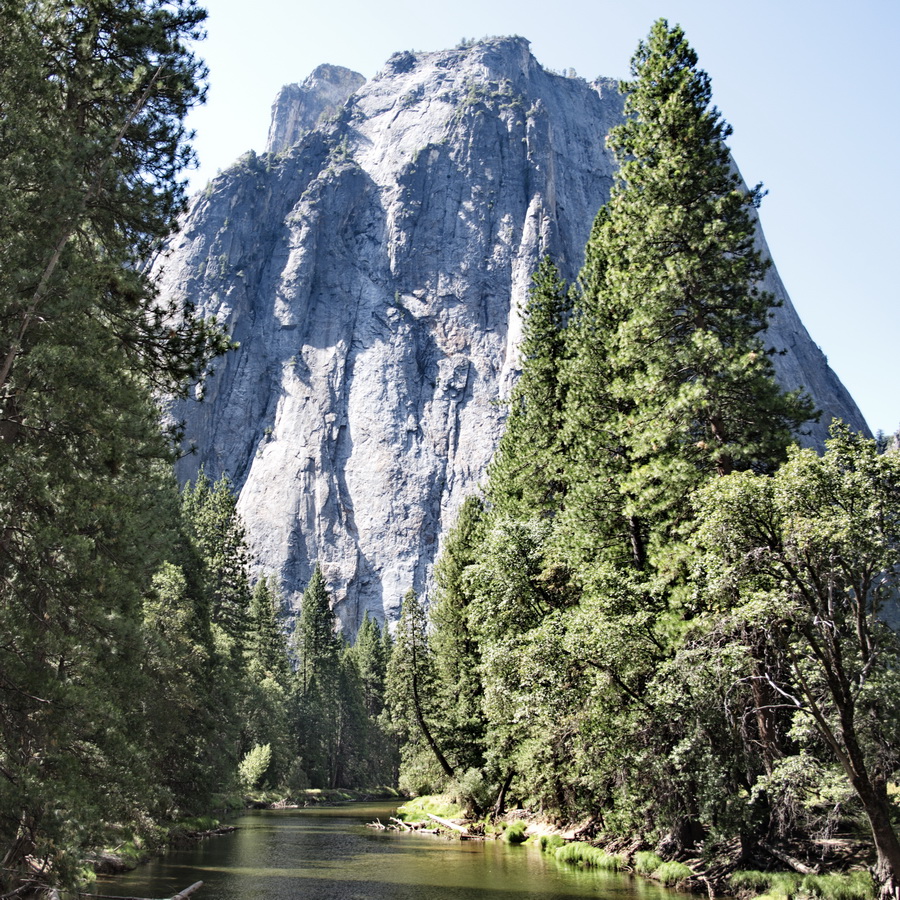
811 87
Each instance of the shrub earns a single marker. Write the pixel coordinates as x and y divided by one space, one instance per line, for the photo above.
670 873
646 862
254 765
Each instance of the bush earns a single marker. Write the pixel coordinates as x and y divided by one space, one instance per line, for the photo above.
670 873
515 833
580 853
646 862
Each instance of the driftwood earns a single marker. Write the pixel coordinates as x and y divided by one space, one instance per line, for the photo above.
781 856
398 825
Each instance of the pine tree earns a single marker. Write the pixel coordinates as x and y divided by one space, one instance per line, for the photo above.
92 99
315 641
218 534
526 472
674 276
317 649
267 643
454 640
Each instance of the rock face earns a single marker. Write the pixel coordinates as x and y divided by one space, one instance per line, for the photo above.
298 108
372 272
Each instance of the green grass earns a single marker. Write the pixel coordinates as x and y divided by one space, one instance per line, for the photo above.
549 843
418 808
670 873
581 854
787 885
852 886
646 862
771 885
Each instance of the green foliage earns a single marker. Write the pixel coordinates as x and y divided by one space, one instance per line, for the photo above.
803 562
526 472
418 808
254 765
93 96
411 694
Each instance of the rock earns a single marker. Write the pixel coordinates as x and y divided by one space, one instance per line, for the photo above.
298 108
372 272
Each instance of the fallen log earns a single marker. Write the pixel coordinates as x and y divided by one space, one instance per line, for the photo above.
448 824
795 864
189 890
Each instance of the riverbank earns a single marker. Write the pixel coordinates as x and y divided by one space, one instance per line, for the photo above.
826 869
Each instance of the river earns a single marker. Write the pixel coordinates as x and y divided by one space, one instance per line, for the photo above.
327 853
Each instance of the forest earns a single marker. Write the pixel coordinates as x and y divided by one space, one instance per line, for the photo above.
660 614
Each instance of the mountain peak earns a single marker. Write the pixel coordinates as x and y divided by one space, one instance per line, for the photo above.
299 108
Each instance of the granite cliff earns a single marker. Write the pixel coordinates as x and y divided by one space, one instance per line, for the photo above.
371 265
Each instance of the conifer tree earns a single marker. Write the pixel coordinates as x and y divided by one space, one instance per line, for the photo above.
218 534
526 472
317 648
92 100
454 640
267 643
315 641
678 312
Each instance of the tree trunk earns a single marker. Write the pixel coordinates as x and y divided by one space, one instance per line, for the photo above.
426 731
500 805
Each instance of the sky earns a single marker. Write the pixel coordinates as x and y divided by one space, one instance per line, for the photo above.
811 88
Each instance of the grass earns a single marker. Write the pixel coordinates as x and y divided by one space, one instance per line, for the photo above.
436 804
852 886
787 885
646 862
581 854
670 873
549 843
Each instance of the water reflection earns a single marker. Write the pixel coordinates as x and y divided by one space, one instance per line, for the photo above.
329 853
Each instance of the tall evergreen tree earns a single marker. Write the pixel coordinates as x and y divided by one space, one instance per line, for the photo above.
674 280
218 534
526 473
92 99
317 648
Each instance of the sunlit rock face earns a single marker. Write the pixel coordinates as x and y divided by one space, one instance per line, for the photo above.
372 267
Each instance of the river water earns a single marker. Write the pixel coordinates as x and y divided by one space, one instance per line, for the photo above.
328 853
